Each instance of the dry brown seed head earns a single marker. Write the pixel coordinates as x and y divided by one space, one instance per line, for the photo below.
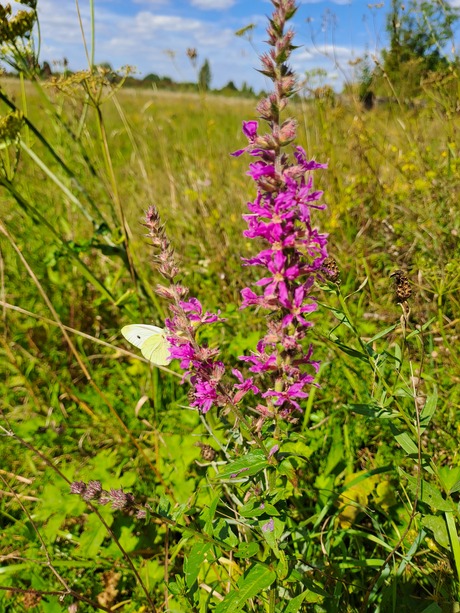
207 452
331 270
403 290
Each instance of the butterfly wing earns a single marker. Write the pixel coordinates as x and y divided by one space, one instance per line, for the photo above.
137 334
156 349
151 340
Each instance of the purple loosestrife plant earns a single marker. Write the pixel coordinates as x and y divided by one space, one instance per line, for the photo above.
294 255
280 217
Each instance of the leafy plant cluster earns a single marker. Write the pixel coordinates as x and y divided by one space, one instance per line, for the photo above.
421 51
116 494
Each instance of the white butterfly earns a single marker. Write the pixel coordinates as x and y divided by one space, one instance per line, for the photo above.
151 340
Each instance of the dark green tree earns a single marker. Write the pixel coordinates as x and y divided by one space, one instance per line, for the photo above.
204 76
419 33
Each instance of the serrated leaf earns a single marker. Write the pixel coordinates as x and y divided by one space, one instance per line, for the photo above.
256 580
247 466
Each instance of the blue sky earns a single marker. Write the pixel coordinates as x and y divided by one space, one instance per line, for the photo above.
153 36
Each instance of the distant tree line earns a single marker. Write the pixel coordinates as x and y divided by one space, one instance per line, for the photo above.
150 81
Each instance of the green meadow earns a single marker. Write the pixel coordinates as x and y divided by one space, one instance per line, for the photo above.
373 508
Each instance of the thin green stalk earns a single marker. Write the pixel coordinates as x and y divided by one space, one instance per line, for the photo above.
454 541
24 104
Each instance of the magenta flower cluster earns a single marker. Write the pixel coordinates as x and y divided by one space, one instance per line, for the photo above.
281 217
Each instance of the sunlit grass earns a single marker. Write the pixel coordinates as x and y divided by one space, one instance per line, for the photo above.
392 191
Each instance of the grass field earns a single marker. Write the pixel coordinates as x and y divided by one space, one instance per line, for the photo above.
378 467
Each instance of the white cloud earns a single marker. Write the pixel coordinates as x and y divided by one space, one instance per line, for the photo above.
334 52
152 2
212 4
146 22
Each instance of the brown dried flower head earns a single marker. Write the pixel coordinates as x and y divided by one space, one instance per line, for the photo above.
403 290
331 270
207 452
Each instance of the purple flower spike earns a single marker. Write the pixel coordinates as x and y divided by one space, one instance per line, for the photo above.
281 217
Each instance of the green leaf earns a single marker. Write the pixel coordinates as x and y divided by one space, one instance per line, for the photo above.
247 466
406 442
92 537
174 588
336 453
453 539
428 410
422 329
272 530
372 410
307 596
382 333
208 515
256 508
450 478
224 533
398 354
428 493
247 550
286 468
433 607
194 561
437 525
351 351
256 580
282 568
298 448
